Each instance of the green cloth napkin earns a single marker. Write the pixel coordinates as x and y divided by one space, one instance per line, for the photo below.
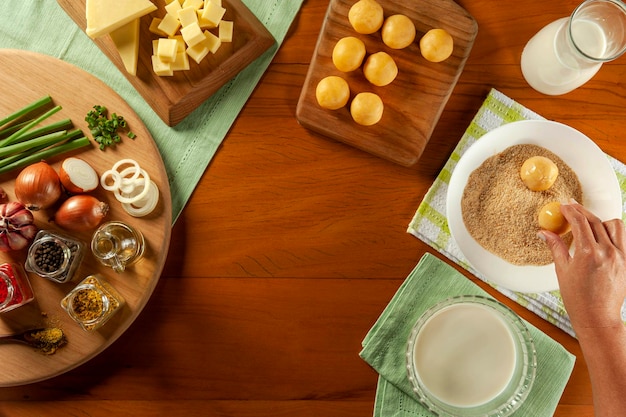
384 346
42 26
430 224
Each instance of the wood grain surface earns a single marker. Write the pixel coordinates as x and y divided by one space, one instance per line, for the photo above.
293 244
174 97
22 364
413 102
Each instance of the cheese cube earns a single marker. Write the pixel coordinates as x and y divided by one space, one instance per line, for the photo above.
166 49
196 4
192 34
155 46
173 8
169 24
154 27
198 52
217 2
226 31
187 16
213 13
212 42
161 68
181 62
204 24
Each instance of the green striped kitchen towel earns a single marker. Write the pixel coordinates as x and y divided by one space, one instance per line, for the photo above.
430 224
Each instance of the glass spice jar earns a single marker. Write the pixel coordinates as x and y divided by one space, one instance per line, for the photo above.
15 289
92 302
54 256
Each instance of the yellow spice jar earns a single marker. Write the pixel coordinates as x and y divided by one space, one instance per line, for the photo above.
92 302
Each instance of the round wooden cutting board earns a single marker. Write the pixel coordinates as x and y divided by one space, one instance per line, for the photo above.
28 76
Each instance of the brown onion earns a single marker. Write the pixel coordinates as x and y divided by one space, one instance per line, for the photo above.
38 186
77 176
81 212
17 227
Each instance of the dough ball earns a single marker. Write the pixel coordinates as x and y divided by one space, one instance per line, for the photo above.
332 92
366 109
380 69
550 218
539 173
398 31
436 45
348 53
366 16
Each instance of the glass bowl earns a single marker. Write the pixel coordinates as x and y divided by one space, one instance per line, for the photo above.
471 356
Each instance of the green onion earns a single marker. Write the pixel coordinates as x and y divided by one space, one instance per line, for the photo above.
36 105
105 130
46 153
15 136
24 141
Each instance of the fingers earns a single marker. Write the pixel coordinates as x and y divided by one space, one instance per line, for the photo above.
587 228
582 223
560 252
617 233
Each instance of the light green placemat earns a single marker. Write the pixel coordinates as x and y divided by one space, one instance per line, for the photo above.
430 224
384 346
42 26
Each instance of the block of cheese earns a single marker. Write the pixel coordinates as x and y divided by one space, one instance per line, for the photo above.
166 49
126 40
187 16
192 34
226 31
169 24
213 13
104 16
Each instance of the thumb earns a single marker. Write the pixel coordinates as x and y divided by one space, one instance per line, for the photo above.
560 252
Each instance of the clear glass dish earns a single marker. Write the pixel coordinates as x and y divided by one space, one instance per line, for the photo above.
465 330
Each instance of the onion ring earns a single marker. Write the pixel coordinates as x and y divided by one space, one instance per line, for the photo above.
146 205
117 180
129 200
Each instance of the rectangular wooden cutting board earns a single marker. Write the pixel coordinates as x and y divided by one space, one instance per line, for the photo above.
413 102
174 98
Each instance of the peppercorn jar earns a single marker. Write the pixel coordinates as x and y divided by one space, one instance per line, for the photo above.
92 302
15 289
54 256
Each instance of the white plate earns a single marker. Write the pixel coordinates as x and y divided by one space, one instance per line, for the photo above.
601 194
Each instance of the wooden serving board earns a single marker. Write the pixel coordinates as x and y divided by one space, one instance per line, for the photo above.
413 102
32 76
174 98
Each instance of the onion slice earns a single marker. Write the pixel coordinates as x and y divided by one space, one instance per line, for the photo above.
104 180
143 181
77 176
146 205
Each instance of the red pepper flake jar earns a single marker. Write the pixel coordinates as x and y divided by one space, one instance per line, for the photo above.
15 289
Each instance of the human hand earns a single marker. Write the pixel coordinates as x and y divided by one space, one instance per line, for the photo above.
592 281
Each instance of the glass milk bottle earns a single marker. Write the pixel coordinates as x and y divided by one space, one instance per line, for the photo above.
569 51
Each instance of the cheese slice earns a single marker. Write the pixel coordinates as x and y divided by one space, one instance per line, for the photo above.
126 40
104 16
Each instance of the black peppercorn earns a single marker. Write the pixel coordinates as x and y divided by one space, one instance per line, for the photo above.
49 256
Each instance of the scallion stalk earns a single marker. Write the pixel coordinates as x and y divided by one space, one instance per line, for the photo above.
46 153
15 136
36 105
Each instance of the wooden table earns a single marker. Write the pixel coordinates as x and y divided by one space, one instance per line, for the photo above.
293 244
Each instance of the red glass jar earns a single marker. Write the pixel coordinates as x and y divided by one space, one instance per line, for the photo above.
15 289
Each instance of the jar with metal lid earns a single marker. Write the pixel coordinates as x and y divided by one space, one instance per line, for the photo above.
92 302
15 289
54 256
